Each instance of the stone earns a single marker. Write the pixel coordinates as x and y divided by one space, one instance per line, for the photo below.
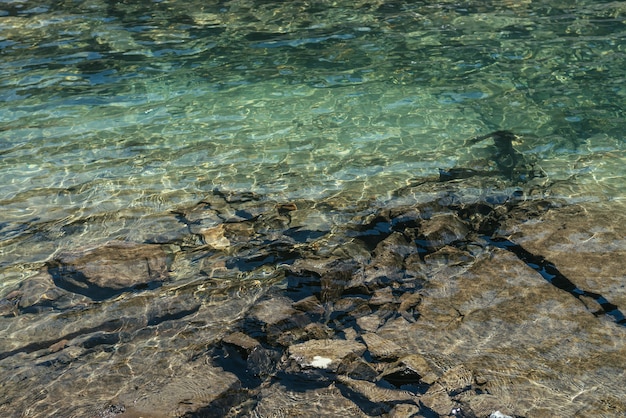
335 279
393 249
375 393
442 230
409 301
39 294
242 341
272 311
182 394
369 323
465 327
358 369
324 354
310 305
411 369
403 410
214 238
278 400
381 348
382 296
438 400
485 405
589 247
111 269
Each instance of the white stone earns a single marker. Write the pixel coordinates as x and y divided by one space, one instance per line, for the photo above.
320 362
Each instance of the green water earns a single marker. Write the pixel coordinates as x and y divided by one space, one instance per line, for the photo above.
114 112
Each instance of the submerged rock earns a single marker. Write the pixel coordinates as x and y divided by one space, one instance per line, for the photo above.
114 268
380 348
193 392
324 354
448 306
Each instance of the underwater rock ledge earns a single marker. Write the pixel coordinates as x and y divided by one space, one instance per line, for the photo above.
440 302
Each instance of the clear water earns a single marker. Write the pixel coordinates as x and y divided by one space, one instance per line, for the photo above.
114 113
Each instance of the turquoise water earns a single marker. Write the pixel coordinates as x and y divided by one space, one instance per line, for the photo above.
114 113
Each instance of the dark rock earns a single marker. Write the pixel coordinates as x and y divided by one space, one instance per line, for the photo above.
357 368
335 279
317 331
393 249
263 362
412 369
353 307
112 269
297 334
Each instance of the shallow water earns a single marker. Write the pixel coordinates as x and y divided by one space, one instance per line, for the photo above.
113 114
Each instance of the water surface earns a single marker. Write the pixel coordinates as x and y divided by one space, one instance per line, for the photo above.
113 114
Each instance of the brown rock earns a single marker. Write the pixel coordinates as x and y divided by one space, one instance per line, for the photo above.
113 268
310 305
324 354
214 238
375 393
382 297
357 368
242 341
369 323
586 244
272 311
403 410
279 400
437 399
182 394
335 279
381 348
393 249
441 230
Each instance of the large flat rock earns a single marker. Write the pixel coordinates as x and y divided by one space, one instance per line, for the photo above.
113 268
586 242
522 335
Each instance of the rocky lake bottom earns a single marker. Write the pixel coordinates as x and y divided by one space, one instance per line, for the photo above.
249 208
456 297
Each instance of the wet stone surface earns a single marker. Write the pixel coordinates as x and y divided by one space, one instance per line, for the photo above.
437 303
